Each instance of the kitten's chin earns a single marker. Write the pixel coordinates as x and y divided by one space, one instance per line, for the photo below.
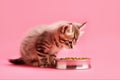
68 47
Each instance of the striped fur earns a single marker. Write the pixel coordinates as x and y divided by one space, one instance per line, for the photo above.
40 46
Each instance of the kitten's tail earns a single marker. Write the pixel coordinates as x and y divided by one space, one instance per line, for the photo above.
17 61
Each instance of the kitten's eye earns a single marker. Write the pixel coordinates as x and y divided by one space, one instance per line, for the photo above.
68 41
62 40
65 41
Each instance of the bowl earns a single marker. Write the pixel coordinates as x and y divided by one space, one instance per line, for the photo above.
73 63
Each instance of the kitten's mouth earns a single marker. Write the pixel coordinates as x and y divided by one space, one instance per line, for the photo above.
69 47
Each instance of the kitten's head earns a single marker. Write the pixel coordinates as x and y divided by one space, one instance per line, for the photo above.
69 33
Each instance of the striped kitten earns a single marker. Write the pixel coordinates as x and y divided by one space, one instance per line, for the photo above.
40 46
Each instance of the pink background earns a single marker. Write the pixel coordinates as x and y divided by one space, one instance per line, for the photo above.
101 42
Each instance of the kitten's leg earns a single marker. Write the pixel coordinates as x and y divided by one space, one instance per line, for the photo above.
45 62
53 61
48 61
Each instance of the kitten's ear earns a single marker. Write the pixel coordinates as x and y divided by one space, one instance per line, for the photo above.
82 25
67 30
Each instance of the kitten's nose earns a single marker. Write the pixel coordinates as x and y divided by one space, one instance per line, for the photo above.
71 46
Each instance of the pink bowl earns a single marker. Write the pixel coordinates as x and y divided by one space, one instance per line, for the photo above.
74 64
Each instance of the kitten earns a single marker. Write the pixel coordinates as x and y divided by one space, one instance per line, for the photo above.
40 46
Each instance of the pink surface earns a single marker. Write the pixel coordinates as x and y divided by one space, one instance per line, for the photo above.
101 42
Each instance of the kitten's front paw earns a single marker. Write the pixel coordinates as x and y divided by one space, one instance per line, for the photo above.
53 63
